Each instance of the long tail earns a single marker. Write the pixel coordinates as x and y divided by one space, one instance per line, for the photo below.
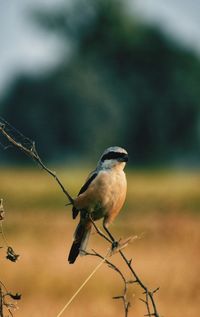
81 237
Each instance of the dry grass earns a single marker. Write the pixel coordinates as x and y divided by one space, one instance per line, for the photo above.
164 206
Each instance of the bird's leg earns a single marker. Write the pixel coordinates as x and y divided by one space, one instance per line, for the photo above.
114 242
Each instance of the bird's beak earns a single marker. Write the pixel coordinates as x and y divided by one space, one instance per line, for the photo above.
124 158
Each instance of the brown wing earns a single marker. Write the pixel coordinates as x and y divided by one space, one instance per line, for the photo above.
82 190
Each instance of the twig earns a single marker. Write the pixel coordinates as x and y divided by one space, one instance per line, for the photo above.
32 152
82 285
12 256
126 303
148 294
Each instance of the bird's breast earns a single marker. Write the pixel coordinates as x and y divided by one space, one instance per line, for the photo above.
105 195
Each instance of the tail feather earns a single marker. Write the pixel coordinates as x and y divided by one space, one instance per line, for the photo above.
81 237
74 212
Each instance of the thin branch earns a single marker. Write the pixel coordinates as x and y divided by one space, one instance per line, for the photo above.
148 294
83 284
32 153
12 256
126 303
1 302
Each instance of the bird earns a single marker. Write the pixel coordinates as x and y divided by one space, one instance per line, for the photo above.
102 196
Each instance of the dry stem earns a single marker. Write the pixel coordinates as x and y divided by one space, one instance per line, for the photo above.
148 294
123 297
32 152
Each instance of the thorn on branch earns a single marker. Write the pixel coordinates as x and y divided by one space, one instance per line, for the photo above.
146 292
118 297
142 300
130 262
68 204
157 289
131 282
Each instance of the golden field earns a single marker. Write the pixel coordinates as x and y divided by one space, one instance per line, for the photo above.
163 207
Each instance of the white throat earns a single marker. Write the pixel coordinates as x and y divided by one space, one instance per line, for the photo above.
112 164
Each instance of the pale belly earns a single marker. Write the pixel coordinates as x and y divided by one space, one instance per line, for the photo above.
105 197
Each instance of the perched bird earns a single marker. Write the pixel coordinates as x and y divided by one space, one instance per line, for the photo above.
102 196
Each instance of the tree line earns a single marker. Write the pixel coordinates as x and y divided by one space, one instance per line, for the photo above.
123 83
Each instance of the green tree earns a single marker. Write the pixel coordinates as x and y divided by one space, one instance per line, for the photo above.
123 83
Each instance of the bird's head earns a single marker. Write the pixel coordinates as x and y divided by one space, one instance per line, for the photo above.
113 157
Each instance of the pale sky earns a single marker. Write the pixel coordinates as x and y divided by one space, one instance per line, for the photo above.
179 18
24 47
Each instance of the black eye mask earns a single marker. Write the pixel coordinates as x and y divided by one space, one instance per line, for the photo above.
115 156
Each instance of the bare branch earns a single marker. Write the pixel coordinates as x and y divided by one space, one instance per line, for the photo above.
12 256
157 289
1 302
33 154
123 297
148 294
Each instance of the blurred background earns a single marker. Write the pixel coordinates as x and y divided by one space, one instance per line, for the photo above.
79 76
